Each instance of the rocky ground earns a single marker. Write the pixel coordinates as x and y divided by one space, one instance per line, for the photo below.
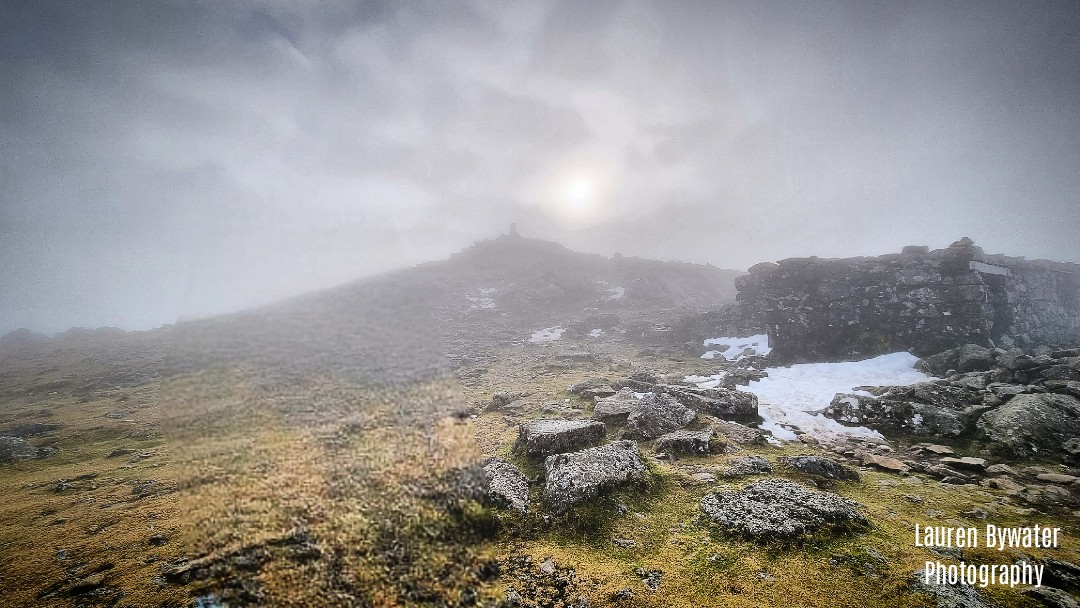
452 443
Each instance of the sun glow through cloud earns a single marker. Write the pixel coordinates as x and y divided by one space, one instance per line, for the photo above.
579 193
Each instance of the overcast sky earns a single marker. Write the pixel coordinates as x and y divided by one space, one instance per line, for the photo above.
160 159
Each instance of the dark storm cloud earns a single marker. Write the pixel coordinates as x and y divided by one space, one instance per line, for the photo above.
161 159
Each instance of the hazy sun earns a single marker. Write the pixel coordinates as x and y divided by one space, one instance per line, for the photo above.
580 191
577 193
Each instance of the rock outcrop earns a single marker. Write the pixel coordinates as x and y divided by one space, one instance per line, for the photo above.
817 309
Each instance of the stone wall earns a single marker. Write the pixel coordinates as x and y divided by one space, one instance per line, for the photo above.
927 301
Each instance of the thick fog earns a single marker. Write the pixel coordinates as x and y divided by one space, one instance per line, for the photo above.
175 159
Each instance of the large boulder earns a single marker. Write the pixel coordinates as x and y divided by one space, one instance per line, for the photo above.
506 485
580 476
689 442
738 433
540 438
775 508
962 359
1033 423
818 466
657 414
616 407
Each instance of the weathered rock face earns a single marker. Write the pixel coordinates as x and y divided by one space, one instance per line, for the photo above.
540 438
776 508
1028 424
580 476
658 414
506 485
830 309
818 466
689 442
616 407
738 433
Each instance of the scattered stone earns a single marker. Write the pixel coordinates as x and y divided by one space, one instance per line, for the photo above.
658 414
941 450
703 477
30 429
748 465
966 462
1062 574
540 438
884 462
501 400
738 433
778 508
1000 469
616 407
819 466
651 578
624 543
157 540
580 476
688 442
1058 478
506 485
593 388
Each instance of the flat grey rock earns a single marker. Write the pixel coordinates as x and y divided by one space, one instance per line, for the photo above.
540 438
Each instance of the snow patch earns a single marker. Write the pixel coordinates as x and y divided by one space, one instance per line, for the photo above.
737 348
793 396
548 334
596 333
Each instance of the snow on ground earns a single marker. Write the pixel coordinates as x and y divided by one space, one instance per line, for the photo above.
548 334
737 348
596 333
790 396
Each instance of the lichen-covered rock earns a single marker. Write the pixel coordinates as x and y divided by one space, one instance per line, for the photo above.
738 433
776 508
747 465
688 442
593 388
658 414
506 485
616 407
576 477
819 466
1036 423
540 438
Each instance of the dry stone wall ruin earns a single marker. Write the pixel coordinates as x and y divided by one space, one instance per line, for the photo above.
817 309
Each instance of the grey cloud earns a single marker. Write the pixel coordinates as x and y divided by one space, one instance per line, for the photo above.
165 159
